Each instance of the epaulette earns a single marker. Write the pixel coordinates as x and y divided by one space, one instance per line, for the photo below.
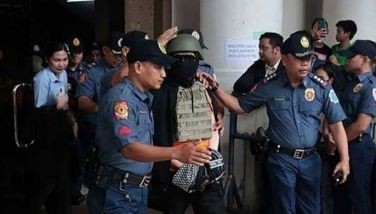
317 79
270 78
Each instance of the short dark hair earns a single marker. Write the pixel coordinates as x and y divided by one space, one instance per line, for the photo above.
348 26
318 19
275 39
327 68
51 48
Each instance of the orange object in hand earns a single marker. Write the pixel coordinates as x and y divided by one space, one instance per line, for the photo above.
203 144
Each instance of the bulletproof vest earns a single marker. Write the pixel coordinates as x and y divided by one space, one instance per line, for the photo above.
193 113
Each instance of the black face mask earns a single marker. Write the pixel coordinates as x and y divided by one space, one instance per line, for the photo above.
184 72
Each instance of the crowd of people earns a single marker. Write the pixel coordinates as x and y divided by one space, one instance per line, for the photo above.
137 122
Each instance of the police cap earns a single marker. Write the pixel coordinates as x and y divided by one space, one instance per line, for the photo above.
361 47
114 42
76 45
195 33
133 37
298 44
149 50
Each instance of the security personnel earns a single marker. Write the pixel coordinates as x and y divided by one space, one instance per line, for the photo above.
124 136
294 100
357 95
76 68
50 185
129 40
110 79
88 94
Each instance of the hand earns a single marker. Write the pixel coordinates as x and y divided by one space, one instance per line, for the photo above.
207 80
62 102
190 153
343 167
218 126
166 36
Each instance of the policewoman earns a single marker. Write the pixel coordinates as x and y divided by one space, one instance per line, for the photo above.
124 136
294 100
50 183
357 95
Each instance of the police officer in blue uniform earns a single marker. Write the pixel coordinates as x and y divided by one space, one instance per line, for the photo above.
87 95
110 79
124 136
357 95
294 99
50 183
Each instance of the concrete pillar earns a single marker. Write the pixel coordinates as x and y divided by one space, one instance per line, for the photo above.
231 30
186 13
362 12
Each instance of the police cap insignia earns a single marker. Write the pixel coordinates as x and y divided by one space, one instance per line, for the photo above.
304 42
121 110
309 94
333 97
36 48
358 88
76 42
119 41
196 35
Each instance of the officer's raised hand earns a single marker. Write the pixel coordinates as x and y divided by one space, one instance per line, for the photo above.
166 36
191 153
207 80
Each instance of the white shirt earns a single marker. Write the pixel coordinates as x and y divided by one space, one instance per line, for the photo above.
269 70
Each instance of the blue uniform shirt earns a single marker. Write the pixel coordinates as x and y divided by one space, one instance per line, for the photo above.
75 74
124 117
358 95
106 82
90 87
294 112
47 86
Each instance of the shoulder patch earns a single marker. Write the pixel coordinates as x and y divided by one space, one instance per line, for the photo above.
333 97
318 80
269 78
121 110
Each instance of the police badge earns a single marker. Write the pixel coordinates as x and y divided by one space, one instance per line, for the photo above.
309 94
358 88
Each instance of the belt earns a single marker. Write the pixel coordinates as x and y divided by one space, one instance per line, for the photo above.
121 178
295 153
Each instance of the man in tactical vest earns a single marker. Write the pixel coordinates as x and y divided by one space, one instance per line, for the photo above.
182 107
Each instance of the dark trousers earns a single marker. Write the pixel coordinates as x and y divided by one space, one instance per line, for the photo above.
354 196
295 183
50 183
209 201
86 136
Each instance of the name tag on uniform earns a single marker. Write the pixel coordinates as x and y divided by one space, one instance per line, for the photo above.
143 112
279 99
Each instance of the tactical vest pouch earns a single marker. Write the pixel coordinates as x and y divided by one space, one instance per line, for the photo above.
193 113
